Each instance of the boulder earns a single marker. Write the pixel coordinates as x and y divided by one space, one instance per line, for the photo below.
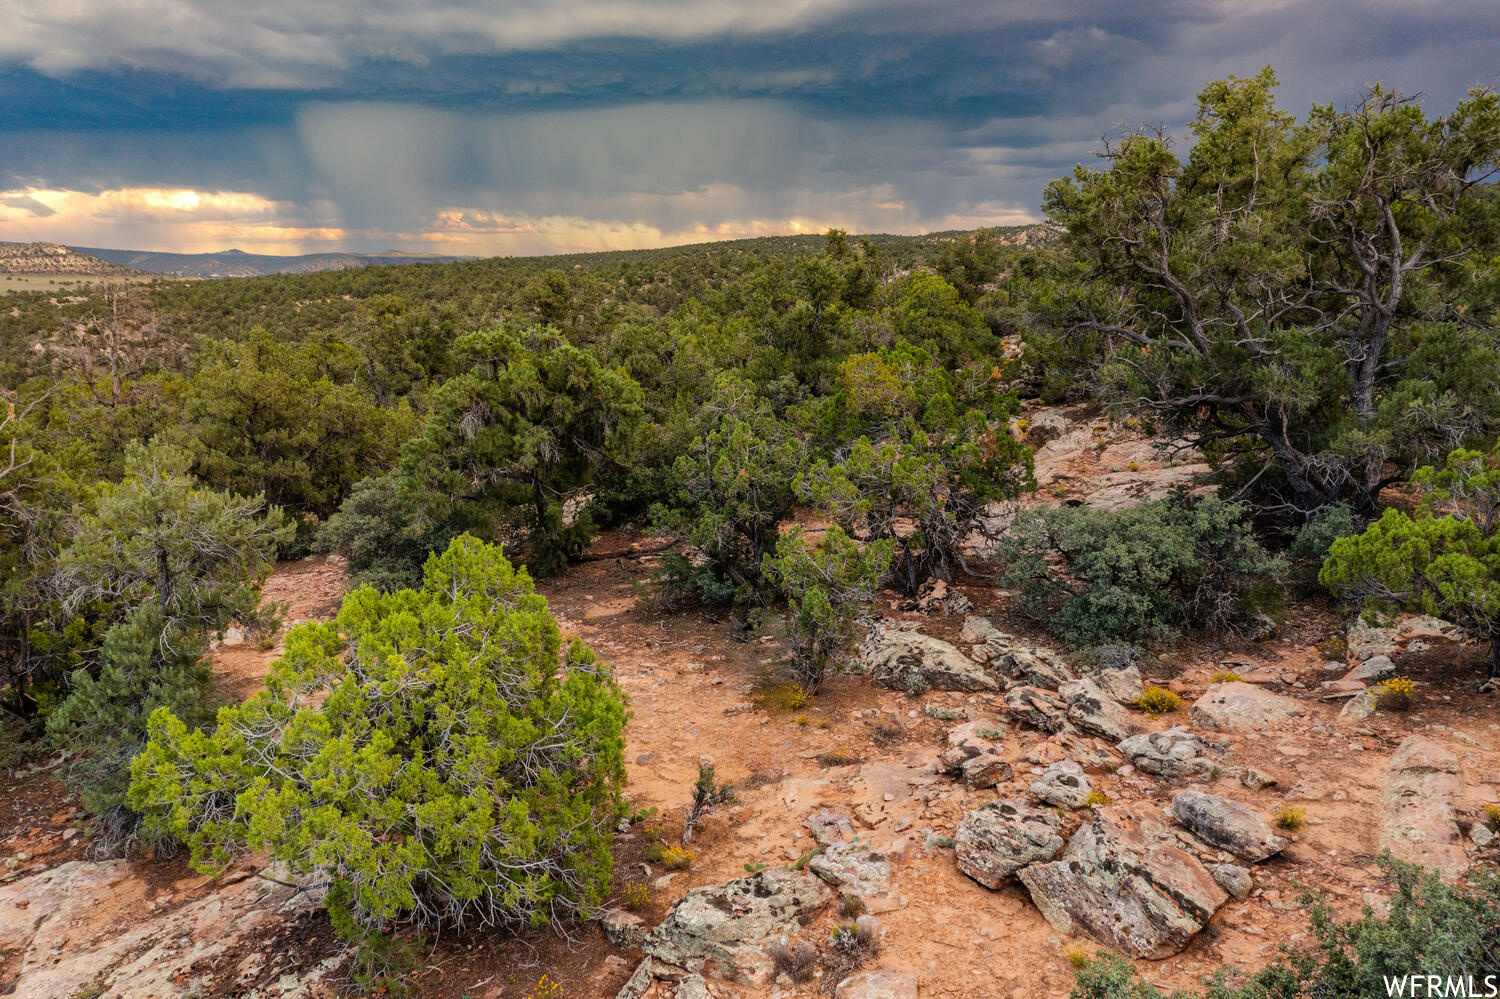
879 984
660 980
1418 822
829 827
1242 707
1037 666
1361 706
995 841
1234 879
855 869
623 929
973 757
727 930
1366 641
1227 825
1094 711
1373 668
913 662
1063 783
1036 708
1113 884
1123 684
1173 753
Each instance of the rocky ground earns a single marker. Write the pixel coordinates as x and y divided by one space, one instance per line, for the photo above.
946 787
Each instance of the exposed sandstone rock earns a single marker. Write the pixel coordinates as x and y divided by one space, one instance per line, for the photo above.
855 869
1123 684
1234 879
1124 890
1173 753
1372 668
1227 825
1039 709
973 757
911 661
1064 783
880 984
1034 665
1094 711
119 946
1242 707
995 841
623 929
1359 707
1419 823
727 930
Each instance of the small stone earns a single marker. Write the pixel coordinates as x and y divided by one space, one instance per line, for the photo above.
1234 879
1481 834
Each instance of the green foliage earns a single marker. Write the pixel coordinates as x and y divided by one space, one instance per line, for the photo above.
1270 294
1432 928
826 588
381 533
734 487
1441 559
432 755
161 564
932 452
287 422
1142 573
514 442
708 794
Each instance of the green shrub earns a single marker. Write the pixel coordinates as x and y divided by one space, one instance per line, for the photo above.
423 755
826 586
1142 573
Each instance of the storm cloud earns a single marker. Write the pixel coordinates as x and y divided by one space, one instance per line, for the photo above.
485 127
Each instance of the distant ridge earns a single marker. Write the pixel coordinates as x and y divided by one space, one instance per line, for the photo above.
50 258
238 263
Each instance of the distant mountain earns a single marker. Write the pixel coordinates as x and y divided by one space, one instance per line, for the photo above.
50 258
237 263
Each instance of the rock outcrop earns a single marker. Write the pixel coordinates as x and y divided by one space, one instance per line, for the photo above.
911 661
1092 710
1242 707
1227 825
121 944
973 757
1063 783
997 840
1173 753
858 871
879 984
1039 709
1418 819
726 931
1115 885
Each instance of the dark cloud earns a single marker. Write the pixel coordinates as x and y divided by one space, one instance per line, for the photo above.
29 205
662 114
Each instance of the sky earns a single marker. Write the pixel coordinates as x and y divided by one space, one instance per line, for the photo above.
485 127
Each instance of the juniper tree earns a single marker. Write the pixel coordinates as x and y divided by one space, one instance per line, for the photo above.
433 756
1286 295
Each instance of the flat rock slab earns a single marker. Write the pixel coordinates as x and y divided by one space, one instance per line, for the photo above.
116 945
857 871
997 840
1418 823
1242 707
879 984
1125 890
913 662
1227 825
727 930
